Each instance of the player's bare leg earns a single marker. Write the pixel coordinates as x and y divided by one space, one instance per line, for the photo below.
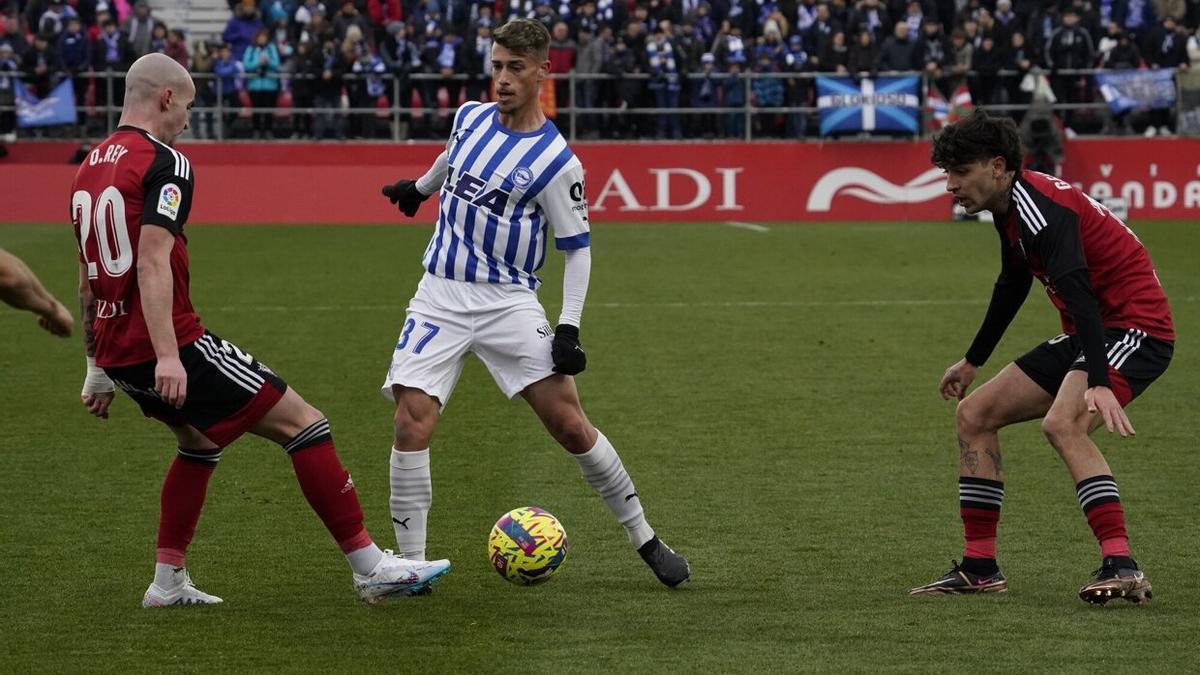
1008 398
304 433
183 493
1068 426
416 417
556 403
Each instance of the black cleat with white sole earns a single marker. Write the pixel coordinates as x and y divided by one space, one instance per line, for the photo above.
671 568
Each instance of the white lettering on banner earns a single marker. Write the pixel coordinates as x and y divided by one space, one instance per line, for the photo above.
1164 194
1106 170
663 189
1135 194
616 186
1100 190
1191 195
616 183
871 187
729 200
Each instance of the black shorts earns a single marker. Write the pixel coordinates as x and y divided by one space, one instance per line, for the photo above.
228 391
1135 359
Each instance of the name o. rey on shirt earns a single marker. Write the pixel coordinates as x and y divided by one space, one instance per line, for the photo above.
112 154
470 188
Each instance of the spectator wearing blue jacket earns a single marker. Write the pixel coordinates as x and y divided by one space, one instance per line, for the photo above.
733 95
261 61
75 55
241 29
227 82
664 82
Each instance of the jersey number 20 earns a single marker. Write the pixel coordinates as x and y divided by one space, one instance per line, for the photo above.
107 216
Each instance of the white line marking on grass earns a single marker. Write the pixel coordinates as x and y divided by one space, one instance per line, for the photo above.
754 227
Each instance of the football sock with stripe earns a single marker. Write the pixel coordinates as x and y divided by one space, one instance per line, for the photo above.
979 502
412 495
182 500
330 491
1101 503
602 468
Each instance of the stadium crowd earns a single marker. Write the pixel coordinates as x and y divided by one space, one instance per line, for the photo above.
665 54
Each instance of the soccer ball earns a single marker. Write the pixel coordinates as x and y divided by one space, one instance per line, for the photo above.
527 545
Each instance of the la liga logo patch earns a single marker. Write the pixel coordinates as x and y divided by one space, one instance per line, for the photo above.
169 200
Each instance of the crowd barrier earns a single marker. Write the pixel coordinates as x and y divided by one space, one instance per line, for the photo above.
258 183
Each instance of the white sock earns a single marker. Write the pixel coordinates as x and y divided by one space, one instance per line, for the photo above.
412 495
363 560
602 468
164 576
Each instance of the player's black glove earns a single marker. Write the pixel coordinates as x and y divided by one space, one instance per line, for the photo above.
566 351
405 195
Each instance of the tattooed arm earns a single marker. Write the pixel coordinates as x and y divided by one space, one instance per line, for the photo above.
98 391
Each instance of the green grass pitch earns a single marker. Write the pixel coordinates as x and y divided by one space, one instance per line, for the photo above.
772 394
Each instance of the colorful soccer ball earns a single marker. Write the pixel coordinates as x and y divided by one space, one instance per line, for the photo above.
527 545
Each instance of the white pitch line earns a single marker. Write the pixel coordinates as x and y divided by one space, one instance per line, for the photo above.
754 227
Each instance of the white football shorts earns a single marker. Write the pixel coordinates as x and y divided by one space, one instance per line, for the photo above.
503 324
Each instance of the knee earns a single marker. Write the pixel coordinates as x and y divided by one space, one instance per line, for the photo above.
572 431
413 428
972 418
1060 429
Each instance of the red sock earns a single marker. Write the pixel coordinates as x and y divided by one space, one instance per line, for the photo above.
979 502
330 491
182 500
1101 503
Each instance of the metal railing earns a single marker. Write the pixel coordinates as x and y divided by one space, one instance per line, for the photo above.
575 119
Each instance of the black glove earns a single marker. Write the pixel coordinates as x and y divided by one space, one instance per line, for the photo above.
566 351
405 194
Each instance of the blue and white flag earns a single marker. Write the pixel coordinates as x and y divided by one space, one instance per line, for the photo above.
1138 89
57 108
879 104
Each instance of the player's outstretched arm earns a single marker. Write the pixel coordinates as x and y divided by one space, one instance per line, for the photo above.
98 391
156 287
408 194
21 288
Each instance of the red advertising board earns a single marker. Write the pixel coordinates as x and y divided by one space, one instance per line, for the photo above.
842 181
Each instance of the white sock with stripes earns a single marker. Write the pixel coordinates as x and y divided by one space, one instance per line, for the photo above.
412 495
602 468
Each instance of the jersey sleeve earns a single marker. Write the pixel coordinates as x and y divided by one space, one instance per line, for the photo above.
1052 231
168 190
565 203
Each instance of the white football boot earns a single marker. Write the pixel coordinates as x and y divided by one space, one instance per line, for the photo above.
396 576
181 592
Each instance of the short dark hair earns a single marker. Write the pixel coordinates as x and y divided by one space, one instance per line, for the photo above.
977 138
524 37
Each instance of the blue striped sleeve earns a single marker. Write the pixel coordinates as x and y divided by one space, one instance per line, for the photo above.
578 241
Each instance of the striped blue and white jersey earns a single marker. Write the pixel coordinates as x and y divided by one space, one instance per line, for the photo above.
501 191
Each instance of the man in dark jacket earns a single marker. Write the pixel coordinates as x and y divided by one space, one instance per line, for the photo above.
898 51
75 55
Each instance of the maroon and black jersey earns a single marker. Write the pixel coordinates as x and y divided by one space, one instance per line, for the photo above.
1054 228
1095 271
129 181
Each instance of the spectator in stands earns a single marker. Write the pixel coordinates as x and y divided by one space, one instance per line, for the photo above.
591 54
768 93
1176 9
957 63
177 49
796 90
306 67
261 61
729 45
477 62
111 54
365 91
931 47
75 57
703 87
228 70
563 56
11 33
1118 51
241 29
9 63
1018 58
871 16
733 98
158 38
624 61
1135 16
449 63
306 11
1193 49
41 66
820 36
402 58
349 16
1166 46
202 59
1007 20
1070 47
835 58
688 47
986 62
327 91
54 20
384 12
861 56
899 52
139 29
664 81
